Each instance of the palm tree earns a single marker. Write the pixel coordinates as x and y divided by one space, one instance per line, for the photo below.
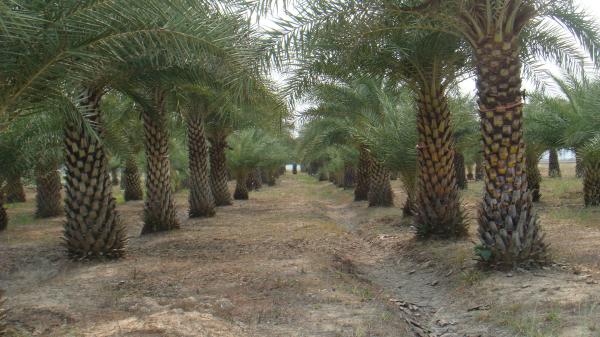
244 156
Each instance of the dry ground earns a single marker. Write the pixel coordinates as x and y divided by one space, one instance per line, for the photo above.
302 259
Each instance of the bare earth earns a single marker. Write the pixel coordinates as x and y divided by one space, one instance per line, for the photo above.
302 259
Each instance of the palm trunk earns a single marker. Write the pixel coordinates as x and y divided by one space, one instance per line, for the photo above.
578 165
272 177
349 173
93 228
257 174
591 183
409 205
15 192
159 207
361 192
533 175
459 166
132 181
48 198
294 168
201 199
508 227
264 175
218 170
380 189
241 189
553 164
438 208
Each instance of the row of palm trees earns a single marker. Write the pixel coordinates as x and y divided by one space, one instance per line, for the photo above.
152 65
427 47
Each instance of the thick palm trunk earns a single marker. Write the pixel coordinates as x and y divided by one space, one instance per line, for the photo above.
361 192
159 207
264 175
294 168
553 164
93 228
508 227
459 165
591 183
241 188
438 208
15 192
380 189
272 177
218 170
201 199
132 181
48 200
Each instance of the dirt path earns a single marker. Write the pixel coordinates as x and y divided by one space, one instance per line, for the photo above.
298 259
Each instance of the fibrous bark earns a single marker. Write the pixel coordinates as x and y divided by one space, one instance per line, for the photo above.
201 199
438 208
93 228
363 180
159 206
553 164
578 165
380 190
132 181
218 170
48 200
533 175
508 226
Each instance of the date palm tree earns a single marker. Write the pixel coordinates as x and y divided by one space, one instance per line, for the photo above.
590 155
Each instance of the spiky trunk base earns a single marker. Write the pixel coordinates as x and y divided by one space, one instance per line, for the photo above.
93 228
438 208
363 180
380 189
159 207
508 226
48 198
218 170
578 165
553 164
201 199
15 192
132 181
241 189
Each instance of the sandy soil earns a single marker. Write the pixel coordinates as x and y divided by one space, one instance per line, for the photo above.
298 259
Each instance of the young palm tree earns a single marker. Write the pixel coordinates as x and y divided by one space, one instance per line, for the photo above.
93 228
243 157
